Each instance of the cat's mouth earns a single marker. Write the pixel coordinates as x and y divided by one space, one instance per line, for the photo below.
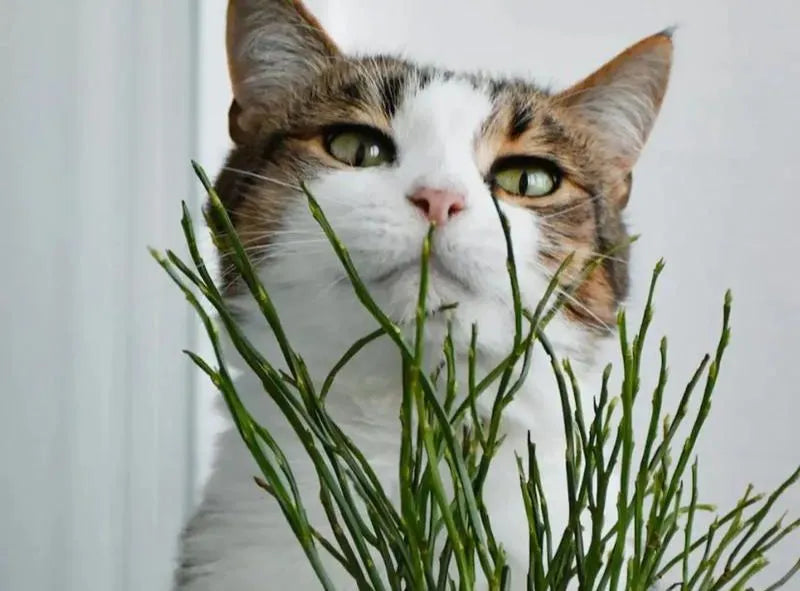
437 270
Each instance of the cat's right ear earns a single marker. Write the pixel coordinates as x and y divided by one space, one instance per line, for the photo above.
618 104
273 47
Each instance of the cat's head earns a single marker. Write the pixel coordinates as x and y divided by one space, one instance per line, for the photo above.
387 146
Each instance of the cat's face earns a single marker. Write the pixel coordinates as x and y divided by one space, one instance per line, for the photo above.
388 147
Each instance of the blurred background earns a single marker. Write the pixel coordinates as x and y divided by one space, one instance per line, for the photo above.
106 432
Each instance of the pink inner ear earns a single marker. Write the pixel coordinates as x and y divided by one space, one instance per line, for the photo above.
620 101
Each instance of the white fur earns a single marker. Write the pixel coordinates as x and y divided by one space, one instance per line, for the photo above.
239 540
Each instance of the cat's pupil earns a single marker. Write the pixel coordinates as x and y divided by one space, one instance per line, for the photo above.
361 153
523 183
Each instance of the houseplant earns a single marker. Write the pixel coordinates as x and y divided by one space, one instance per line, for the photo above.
440 536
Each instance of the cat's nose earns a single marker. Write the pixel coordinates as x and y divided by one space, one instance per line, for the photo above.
438 205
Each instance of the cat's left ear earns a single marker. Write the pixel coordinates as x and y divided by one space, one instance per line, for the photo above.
619 103
274 47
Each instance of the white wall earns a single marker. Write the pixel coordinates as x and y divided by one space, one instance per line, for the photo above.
715 193
97 120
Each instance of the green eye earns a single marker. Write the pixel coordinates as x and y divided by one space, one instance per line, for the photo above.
360 147
531 179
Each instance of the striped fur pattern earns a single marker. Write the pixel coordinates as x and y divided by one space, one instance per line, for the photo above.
448 131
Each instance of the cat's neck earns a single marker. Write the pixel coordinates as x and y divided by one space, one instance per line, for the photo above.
370 385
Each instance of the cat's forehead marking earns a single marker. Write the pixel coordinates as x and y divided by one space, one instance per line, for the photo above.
444 107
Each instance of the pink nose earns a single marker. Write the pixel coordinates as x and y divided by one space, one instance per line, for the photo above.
438 205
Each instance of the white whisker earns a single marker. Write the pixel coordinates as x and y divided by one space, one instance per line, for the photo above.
591 199
261 177
568 296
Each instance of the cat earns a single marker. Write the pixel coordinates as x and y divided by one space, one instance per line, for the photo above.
388 147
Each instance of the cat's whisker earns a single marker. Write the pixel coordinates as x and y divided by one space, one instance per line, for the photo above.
261 177
296 232
261 257
286 244
289 248
343 207
587 252
561 212
564 292
263 217
576 302
328 288
262 238
548 246
272 235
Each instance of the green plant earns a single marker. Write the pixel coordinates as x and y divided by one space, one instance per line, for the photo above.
437 539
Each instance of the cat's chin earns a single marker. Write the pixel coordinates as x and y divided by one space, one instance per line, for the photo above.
439 274
397 293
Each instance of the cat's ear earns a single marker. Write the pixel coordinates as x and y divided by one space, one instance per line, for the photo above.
619 103
273 47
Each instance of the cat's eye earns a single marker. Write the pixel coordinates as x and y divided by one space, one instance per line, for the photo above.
359 146
526 177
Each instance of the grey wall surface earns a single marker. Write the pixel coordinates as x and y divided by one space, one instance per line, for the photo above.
97 122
